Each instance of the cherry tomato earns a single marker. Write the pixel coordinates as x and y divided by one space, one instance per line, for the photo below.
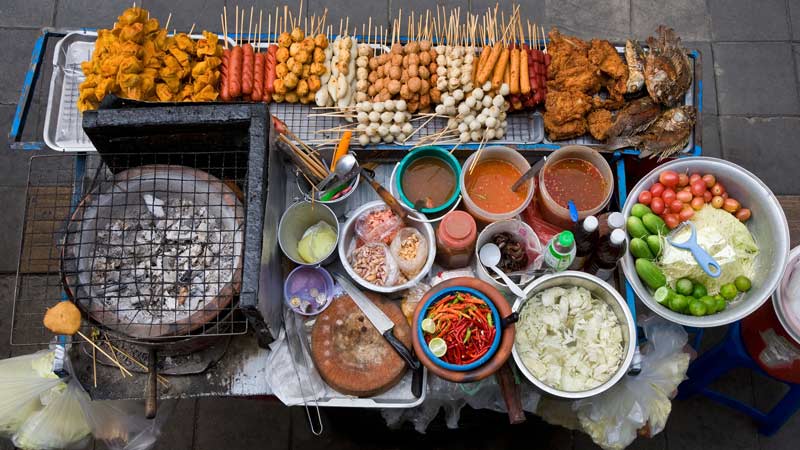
684 196
668 178
710 180
717 201
698 188
676 206
657 205
731 205
645 197
698 203
668 196
672 220
657 189
687 188
686 214
694 177
707 196
743 214
717 189
683 179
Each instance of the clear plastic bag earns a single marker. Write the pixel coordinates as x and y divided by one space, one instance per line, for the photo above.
317 242
613 419
410 261
121 425
375 264
24 381
378 224
60 424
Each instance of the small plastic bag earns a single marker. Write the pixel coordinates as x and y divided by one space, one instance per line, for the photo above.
121 424
24 380
410 259
378 224
317 242
61 424
375 264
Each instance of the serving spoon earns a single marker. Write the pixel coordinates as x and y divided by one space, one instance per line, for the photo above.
344 165
490 257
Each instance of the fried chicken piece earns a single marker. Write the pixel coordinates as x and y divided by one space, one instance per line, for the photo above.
567 130
605 57
599 122
566 52
578 79
209 46
207 94
163 92
562 107
132 15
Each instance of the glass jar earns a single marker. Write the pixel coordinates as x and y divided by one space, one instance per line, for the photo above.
455 240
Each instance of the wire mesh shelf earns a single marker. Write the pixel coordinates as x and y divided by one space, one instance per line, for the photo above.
149 246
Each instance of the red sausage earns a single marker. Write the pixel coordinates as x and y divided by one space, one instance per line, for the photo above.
258 77
224 94
247 69
235 77
272 54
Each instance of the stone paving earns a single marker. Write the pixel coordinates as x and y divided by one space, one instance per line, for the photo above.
751 115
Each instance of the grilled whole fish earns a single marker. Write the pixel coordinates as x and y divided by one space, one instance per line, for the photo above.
634 58
634 118
667 72
668 135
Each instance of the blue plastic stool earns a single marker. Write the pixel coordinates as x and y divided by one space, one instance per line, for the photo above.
730 354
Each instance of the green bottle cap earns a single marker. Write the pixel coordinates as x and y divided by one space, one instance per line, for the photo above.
566 239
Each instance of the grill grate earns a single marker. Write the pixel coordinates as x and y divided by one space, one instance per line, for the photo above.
154 251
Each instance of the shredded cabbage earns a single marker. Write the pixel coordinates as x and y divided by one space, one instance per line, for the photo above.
724 237
568 339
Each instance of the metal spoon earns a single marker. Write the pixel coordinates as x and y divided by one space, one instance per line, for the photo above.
530 173
490 257
343 166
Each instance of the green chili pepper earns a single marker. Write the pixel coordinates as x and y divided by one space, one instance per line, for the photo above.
489 318
466 336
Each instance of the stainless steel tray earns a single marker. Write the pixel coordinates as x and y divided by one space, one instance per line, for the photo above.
62 123
63 130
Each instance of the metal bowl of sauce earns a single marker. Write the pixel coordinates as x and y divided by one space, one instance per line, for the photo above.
428 174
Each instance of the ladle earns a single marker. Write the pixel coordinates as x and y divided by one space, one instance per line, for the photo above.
490 257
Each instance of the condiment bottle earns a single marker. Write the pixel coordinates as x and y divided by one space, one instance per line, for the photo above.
610 222
586 235
604 261
560 251
455 239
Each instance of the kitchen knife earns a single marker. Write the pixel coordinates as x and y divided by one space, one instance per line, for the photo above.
530 173
379 320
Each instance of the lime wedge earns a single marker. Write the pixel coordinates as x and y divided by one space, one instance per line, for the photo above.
438 347
428 326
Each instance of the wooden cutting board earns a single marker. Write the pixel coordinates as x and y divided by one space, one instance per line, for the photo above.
350 354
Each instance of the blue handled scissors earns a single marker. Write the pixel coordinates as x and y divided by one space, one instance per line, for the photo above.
706 261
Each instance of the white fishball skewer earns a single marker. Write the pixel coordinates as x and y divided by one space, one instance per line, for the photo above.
486 101
475 136
463 127
491 122
487 86
363 139
374 139
470 101
399 117
388 138
474 125
504 89
498 101
458 94
464 137
477 93
394 130
490 134
383 130
401 105
363 117
374 116
407 128
379 107
463 109
386 116
389 105
362 127
440 109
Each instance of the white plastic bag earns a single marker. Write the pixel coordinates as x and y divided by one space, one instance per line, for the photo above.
23 382
410 265
613 418
374 263
60 424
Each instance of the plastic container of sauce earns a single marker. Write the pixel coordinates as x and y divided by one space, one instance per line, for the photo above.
430 174
487 188
575 173
455 240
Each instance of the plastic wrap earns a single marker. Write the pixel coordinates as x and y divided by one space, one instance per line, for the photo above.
408 264
378 224
317 242
366 261
121 424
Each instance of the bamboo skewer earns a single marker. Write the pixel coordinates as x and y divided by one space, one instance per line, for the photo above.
103 352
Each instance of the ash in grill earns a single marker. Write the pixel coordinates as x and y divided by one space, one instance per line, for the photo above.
165 265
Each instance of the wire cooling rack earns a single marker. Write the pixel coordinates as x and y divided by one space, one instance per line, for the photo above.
153 252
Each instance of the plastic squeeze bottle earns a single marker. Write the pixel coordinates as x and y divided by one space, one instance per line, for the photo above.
560 251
